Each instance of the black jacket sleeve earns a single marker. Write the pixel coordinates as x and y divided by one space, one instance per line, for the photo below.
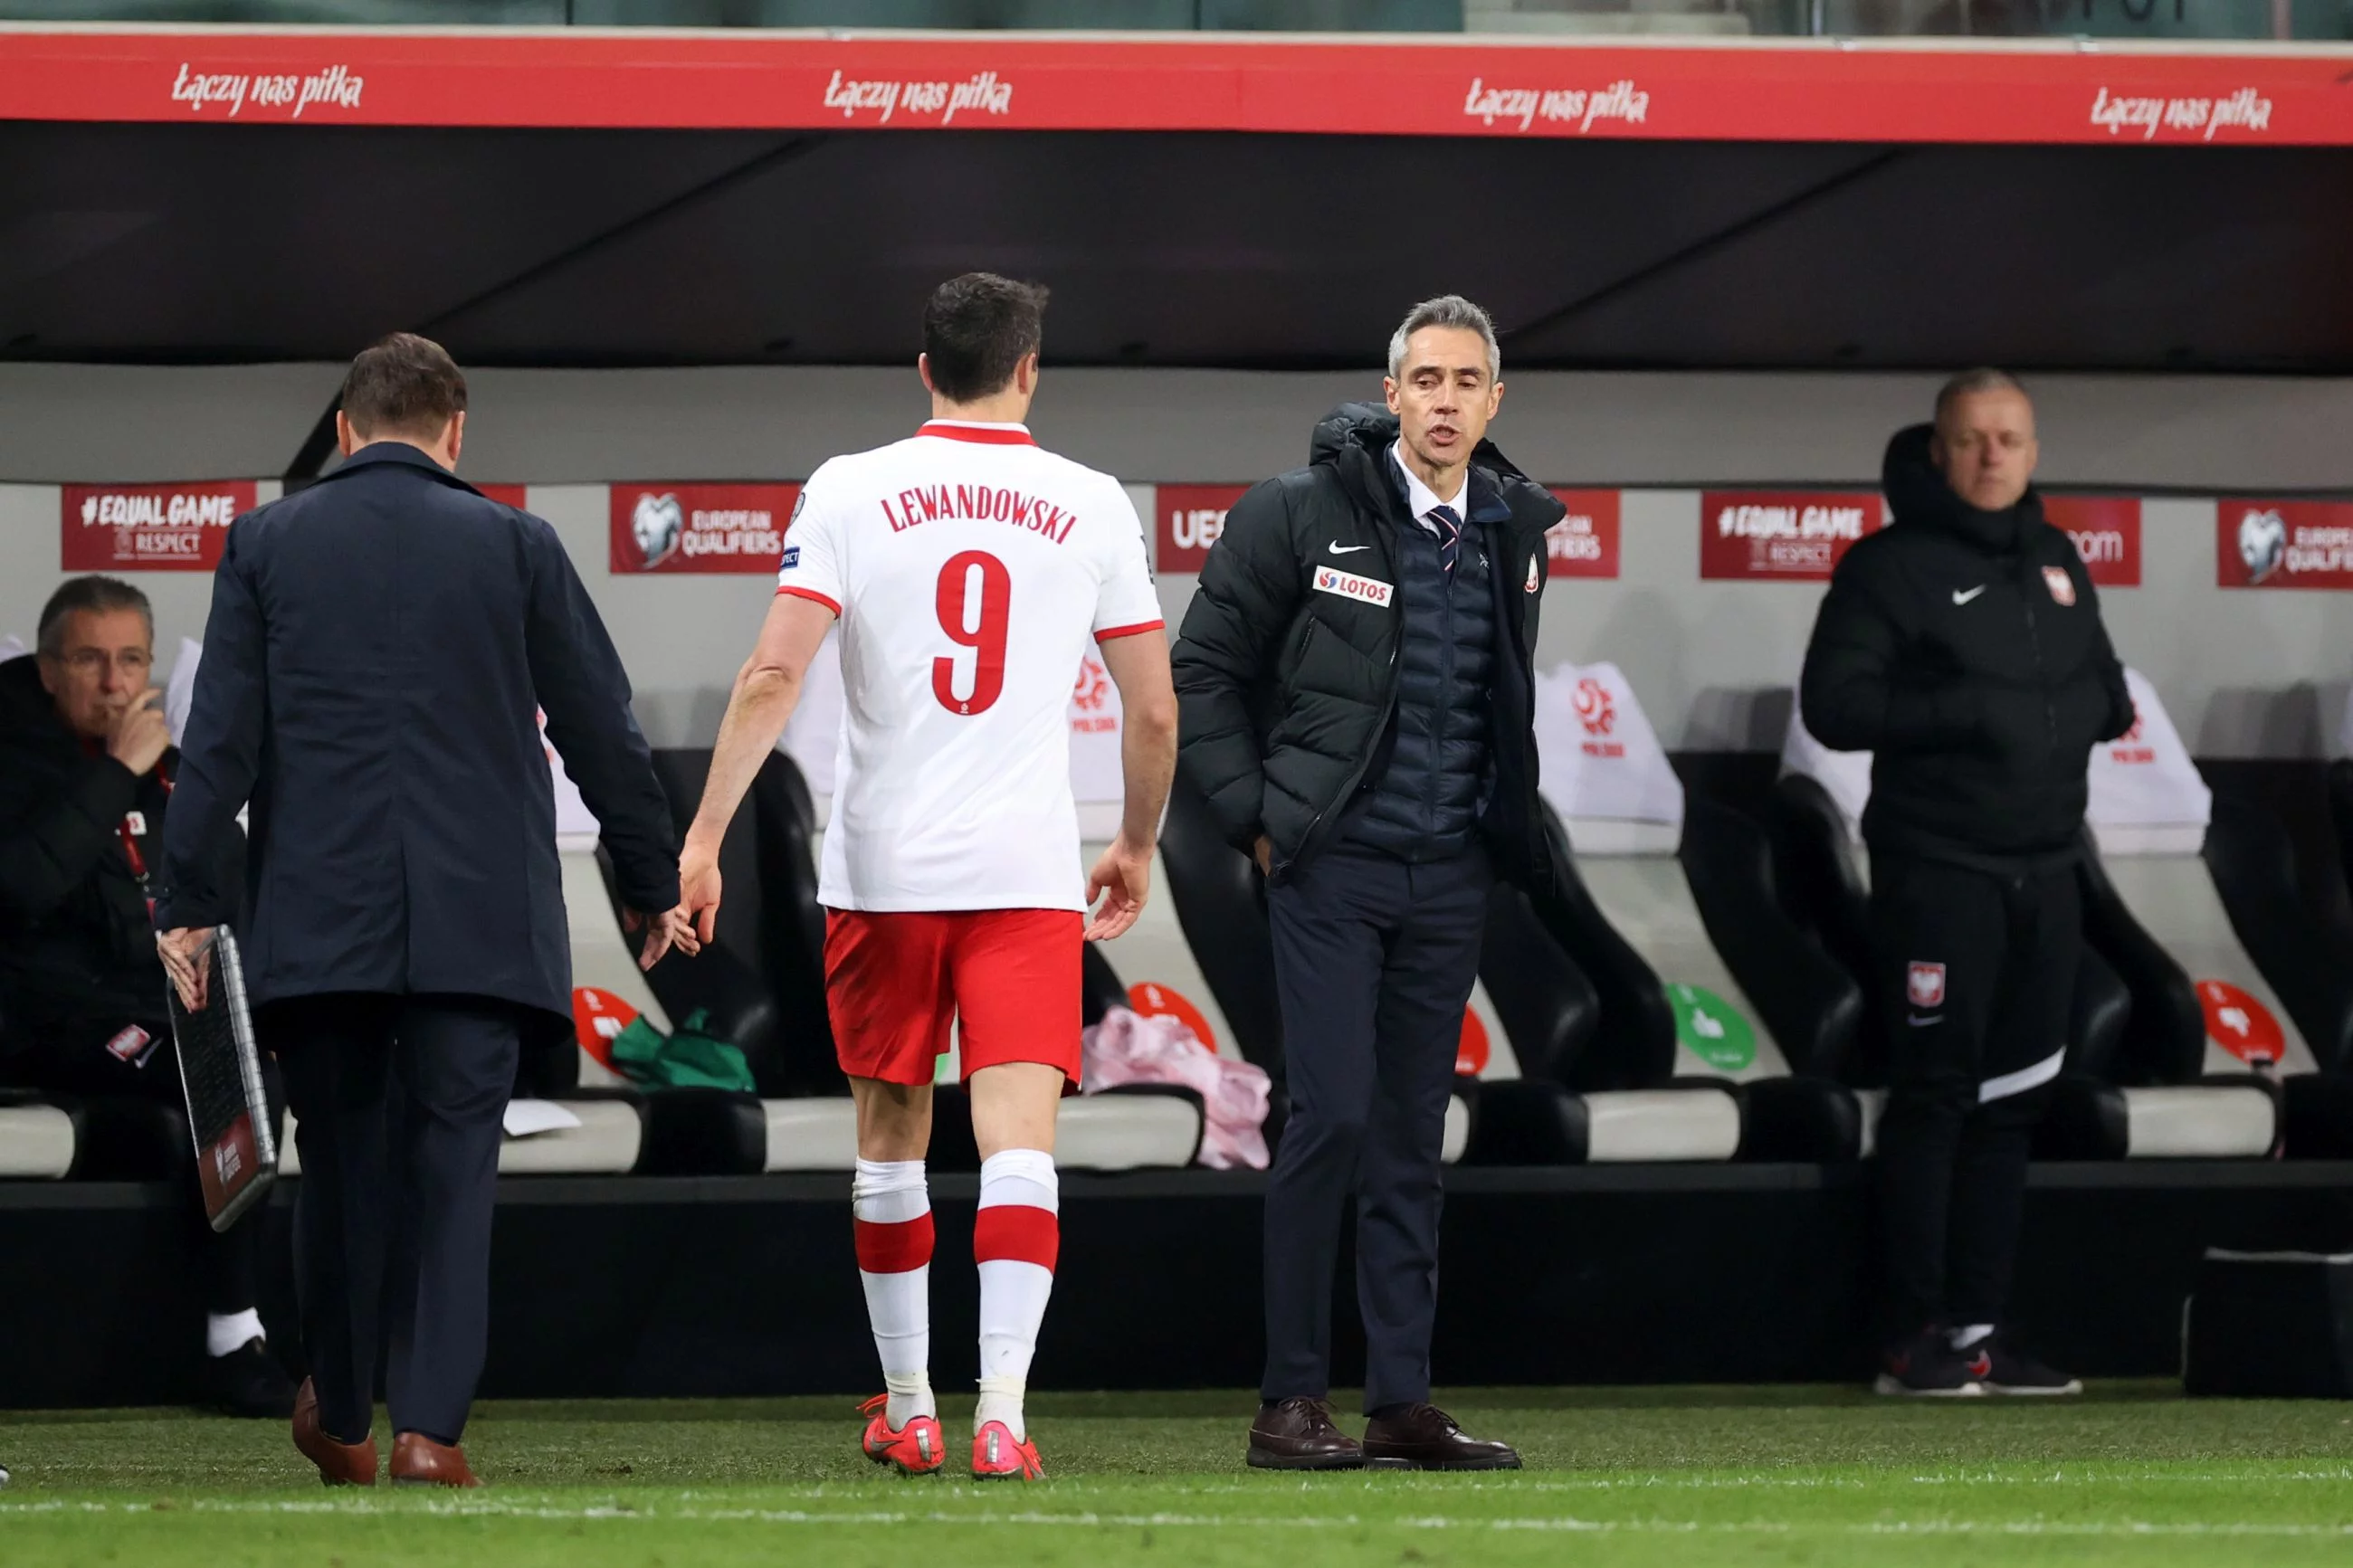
2110 668
220 755
1247 593
576 674
52 846
1856 694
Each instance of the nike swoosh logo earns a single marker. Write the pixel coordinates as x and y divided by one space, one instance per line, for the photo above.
1339 549
1917 1022
1961 598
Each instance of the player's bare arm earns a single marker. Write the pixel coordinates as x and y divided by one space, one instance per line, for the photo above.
1138 666
766 690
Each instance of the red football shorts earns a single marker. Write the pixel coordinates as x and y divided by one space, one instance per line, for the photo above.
1009 978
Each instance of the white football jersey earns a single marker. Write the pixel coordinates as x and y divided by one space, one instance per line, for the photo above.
969 567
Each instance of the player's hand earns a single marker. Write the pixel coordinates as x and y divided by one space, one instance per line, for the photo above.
138 738
1264 853
671 928
1124 879
183 952
698 889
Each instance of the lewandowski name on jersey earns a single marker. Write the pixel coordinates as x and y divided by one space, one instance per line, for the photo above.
971 570
980 503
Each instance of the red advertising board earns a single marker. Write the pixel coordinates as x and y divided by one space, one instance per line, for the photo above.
149 527
1186 520
1797 89
2283 543
1585 542
2106 532
665 527
1782 535
506 494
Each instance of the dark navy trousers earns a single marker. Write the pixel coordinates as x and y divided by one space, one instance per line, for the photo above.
1373 959
397 1103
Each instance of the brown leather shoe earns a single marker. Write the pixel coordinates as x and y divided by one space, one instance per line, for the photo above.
1426 1438
1297 1433
340 1464
419 1461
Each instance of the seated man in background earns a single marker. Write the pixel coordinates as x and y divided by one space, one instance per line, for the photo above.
85 778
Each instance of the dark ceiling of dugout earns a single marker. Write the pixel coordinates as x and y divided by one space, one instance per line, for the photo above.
194 243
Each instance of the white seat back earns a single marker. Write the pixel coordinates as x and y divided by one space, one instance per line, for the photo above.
2149 810
1606 774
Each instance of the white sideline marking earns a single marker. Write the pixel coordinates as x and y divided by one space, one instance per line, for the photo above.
487 1508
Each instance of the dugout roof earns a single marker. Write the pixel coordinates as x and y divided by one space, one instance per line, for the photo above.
575 199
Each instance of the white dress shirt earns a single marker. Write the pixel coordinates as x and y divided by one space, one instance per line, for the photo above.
1420 499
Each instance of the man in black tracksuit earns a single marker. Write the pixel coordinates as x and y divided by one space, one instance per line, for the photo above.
1963 646
1353 681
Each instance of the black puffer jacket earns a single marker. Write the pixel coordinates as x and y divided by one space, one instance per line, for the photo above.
1422 801
1965 649
1287 664
77 951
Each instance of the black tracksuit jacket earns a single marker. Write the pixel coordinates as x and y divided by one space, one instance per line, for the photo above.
1964 648
1285 690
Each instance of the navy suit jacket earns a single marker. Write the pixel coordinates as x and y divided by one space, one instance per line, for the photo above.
379 645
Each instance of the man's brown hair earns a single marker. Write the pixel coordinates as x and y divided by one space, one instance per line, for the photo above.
404 386
976 329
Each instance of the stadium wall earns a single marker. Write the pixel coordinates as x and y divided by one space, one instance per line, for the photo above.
2248 674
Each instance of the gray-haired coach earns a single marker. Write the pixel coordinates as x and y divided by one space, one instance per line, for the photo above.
1353 682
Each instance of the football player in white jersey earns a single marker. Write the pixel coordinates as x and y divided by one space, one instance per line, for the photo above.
968 568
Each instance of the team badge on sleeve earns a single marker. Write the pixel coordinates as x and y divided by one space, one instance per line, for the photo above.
1923 984
2061 586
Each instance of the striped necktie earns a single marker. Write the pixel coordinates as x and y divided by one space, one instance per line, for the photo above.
1449 536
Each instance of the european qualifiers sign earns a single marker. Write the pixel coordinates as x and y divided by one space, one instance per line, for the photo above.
1585 542
149 527
2283 543
700 528
1186 520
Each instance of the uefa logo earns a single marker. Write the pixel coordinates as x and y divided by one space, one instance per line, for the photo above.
2262 542
656 523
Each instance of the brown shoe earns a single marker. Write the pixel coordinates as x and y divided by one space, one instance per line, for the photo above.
340 1464
419 1461
1427 1439
1297 1435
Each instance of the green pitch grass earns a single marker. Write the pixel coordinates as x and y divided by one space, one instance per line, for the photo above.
1688 1477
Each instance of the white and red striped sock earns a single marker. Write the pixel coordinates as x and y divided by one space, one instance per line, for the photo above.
1014 1239
891 1210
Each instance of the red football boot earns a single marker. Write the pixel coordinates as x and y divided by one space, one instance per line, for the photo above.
917 1449
998 1456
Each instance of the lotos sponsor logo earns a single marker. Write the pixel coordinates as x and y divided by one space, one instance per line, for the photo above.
1577 110
1585 542
1188 520
985 92
2106 532
1349 585
149 527
700 528
1797 535
2182 118
1591 702
2284 544
284 97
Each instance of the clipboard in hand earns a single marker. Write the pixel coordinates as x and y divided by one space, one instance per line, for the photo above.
220 1070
